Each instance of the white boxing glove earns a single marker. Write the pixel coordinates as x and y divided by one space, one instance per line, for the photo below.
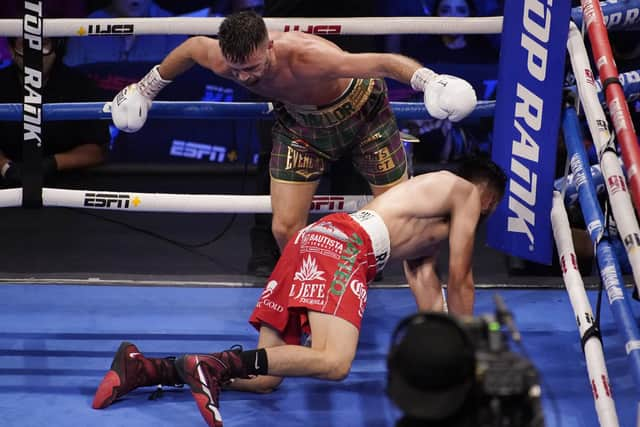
130 106
445 96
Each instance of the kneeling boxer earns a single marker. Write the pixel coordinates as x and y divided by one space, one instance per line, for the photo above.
319 287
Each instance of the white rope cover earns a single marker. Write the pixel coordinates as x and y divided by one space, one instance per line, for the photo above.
593 352
614 178
80 27
11 198
179 203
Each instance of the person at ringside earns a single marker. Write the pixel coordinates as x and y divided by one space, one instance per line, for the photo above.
327 102
319 288
68 144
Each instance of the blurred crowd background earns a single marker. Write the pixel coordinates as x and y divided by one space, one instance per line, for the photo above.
112 62
83 69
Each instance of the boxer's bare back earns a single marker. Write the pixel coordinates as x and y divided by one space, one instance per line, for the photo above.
292 67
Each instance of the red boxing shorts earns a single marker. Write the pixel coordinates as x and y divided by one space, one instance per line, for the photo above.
326 268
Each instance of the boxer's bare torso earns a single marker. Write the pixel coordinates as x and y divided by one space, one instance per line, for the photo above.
292 67
288 75
418 214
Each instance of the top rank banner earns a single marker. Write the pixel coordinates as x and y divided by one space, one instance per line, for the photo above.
526 124
32 117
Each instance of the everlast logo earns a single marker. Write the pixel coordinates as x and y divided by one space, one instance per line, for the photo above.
315 29
331 202
528 122
32 78
298 160
107 200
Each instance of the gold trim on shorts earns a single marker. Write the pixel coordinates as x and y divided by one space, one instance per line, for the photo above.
338 111
284 181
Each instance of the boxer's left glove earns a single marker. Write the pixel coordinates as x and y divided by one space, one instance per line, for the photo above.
445 96
130 106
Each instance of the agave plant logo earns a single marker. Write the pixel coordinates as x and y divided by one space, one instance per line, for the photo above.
309 271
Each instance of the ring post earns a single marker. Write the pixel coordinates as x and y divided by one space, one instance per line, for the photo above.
32 116
526 125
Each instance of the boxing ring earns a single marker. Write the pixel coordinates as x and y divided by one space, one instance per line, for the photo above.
59 356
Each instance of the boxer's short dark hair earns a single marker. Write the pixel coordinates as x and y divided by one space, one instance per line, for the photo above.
478 169
240 34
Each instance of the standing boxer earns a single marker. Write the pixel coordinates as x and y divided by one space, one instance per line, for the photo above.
327 102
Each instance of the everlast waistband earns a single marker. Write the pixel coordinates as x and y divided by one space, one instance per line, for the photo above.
350 102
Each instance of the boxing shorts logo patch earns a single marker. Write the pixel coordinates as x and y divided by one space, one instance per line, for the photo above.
359 289
309 271
268 290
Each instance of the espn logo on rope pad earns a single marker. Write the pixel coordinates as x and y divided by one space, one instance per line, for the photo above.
109 200
314 29
330 202
105 30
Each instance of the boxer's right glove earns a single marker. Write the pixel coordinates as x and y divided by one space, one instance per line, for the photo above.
130 106
445 96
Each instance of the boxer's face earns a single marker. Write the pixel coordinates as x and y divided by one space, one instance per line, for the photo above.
250 71
489 198
453 8
48 54
131 8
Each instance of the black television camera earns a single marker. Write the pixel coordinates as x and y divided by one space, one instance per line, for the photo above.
449 371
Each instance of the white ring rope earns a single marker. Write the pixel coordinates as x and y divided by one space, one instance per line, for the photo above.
619 196
594 355
179 203
11 198
80 27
